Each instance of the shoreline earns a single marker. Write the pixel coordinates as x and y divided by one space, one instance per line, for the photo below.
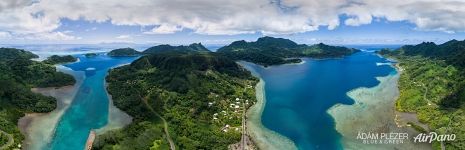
377 106
38 128
117 118
263 137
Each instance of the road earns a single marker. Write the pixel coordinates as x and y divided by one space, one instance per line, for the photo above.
243 138
10 142
165 124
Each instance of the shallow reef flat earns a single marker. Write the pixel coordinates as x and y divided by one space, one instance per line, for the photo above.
372 112
116 117
38 128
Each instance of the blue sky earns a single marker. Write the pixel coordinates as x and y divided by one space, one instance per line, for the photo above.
223 21
378 32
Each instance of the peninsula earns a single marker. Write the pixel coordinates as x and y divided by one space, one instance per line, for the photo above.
433 86
18 74
187 101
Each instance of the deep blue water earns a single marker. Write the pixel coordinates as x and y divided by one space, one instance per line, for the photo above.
298 96
89 109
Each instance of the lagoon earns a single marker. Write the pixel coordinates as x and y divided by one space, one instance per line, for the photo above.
90 107
298 96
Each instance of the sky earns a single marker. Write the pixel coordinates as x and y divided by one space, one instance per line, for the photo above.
219 22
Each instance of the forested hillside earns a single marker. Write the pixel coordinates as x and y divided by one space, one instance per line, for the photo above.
200 96
18 74
432 84
268 51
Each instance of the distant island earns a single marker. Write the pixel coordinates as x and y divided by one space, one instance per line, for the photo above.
55 59
269 51
18 74
90 55
183 100
432 84
192 48
122 52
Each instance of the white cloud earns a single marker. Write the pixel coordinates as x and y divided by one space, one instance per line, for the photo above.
91 29
49 36
431 15
229 17
123 37
8 4
165 29
5 35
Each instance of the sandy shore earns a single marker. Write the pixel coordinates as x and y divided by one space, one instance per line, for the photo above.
38 128
263 137
116 118
373 111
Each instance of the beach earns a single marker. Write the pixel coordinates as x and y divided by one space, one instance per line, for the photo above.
373 111
38 128
116 118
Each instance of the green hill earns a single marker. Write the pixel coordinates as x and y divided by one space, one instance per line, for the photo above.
123 52
433 85
12 53
90 55
268 51
193 48
55 59
18 74
192 92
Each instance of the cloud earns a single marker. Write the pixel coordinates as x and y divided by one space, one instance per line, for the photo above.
165 29
5 35
50 36
226 17
11 4
91 29
123 37
429 15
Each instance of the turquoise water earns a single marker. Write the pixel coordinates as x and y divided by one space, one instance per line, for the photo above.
89 109
298 96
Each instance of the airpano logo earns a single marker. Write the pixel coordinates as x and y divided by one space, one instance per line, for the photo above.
401 138
433 136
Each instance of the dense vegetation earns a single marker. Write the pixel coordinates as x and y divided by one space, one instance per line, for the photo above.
55 59
432 84
121 52
90 54
200 95
193 48
18 74
3 139
274 51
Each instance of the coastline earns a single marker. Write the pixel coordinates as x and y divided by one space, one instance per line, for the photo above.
116 118
38 128
377 106
263 137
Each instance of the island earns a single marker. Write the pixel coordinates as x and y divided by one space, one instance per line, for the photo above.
432 85
187 97
191 100
55 59
164 48
124 52
18 74
269 51
90 55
